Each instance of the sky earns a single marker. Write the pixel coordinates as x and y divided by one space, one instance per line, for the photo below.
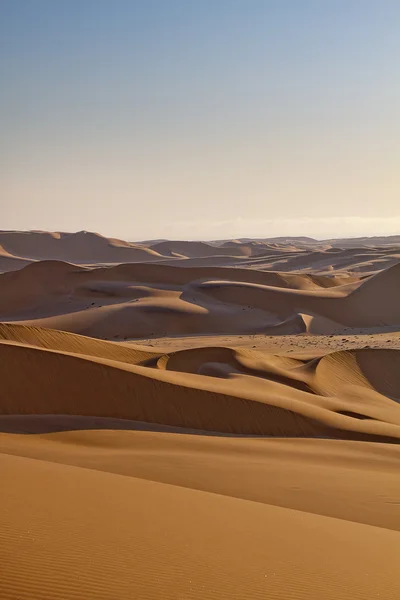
200 119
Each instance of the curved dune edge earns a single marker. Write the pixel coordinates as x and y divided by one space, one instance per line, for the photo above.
156 300
78 344
222 390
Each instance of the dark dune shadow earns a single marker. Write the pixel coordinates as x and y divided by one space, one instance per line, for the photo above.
39 424
42 424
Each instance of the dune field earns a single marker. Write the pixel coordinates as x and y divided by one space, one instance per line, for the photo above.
186 420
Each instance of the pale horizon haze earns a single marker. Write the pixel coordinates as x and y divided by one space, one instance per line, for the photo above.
208 119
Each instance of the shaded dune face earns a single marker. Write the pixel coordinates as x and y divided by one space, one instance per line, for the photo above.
225 390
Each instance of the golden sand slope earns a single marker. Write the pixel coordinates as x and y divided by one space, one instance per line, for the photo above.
120 512
90 534
354 481
211 389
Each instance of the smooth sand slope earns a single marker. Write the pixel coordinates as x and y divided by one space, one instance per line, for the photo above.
207 420
90 534
141 301
354 481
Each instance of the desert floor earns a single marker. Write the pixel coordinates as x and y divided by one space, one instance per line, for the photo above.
187 420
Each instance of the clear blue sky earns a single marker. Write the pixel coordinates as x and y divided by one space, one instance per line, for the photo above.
200 118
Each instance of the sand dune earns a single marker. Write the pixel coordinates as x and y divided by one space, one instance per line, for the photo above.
140 301
210 389
82 247
199 419
353 481
363 255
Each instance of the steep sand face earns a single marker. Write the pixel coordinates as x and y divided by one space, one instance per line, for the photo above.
237 434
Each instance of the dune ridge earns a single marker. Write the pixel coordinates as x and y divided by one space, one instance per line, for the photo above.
212 389
140 301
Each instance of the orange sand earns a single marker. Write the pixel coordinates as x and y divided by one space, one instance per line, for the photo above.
221 423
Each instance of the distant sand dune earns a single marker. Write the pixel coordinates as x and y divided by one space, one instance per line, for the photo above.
280 254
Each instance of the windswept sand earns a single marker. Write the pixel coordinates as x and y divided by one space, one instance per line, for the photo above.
186 420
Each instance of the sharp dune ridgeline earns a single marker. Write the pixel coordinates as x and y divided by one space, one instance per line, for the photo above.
199 419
